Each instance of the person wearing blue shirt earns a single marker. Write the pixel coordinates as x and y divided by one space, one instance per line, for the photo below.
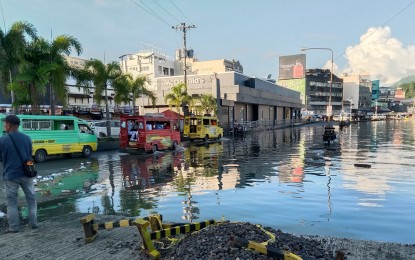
13 173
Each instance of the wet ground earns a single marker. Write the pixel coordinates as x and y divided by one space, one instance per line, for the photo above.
286 179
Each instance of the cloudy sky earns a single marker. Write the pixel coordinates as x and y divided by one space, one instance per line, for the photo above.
367 37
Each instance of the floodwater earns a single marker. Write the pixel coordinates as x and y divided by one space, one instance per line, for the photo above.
286 179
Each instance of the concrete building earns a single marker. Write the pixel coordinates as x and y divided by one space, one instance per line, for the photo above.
242 98
358 89
315 87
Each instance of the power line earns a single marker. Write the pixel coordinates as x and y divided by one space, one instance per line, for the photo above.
183 28
150 11
166 11
390 19
179 10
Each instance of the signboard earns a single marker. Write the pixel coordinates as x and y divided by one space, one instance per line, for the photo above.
329 111
294 84
292 67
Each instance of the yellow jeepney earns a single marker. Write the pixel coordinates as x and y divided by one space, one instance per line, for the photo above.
202 127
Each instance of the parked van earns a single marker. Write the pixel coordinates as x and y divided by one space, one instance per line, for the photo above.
100 128
152 132
57 135
202 127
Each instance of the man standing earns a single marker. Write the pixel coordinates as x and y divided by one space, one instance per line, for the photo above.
13 174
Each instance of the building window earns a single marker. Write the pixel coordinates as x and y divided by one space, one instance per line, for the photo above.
166 71
145 68
171 72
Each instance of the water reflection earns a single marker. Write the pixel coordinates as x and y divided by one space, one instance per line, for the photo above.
288 175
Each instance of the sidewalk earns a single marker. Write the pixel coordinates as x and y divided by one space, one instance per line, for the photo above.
63 238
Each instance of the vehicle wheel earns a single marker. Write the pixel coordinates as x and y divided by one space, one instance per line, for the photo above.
219 137
87 151
206 138
154 148
40 156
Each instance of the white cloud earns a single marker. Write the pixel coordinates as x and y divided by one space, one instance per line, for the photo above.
381 55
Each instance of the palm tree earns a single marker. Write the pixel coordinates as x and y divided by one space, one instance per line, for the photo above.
101 75
61 45
208 103
177 97
33 74
12 47
125 85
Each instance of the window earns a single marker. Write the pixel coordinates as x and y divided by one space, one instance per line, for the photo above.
34 124
145 68
206 122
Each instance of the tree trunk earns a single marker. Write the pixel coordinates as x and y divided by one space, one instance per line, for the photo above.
107 113
15 108
52 100
133 104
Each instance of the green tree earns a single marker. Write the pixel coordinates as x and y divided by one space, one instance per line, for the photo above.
125 87
33 74
409 89
60 46
101 76
178 97
12 47
208 103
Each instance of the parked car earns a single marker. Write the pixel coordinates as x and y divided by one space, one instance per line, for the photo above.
100 128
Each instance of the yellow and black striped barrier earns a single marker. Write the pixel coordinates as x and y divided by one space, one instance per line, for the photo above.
264 249
91 228
175 229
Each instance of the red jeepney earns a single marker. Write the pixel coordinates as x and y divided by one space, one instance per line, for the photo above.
151 132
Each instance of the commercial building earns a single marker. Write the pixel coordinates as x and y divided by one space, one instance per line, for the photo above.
358 89
242 98
316 90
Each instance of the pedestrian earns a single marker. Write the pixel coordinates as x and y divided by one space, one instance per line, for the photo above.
13 172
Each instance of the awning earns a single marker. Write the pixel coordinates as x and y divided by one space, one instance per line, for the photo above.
77 95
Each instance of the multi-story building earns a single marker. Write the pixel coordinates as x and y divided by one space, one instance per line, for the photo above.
242 98
321 93
318 92
358 89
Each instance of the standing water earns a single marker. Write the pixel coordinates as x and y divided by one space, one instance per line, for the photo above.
287 179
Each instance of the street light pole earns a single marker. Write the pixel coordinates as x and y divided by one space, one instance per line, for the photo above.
329 133
331 72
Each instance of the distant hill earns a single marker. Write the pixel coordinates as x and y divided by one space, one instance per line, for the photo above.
404 80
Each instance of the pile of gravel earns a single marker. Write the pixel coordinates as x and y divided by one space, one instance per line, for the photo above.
214 242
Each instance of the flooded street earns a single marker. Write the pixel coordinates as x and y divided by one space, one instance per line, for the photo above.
286 179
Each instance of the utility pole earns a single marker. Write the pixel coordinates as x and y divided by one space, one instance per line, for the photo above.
183 28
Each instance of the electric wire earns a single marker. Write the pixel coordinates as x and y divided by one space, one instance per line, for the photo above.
180 11
390 19
150 11
174 17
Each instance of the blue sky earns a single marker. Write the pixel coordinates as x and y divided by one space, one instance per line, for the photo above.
254 32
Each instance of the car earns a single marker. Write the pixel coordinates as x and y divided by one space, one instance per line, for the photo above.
100 128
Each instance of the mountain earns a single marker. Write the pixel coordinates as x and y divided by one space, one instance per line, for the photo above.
403 80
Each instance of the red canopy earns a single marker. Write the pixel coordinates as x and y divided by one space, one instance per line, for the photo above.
171 114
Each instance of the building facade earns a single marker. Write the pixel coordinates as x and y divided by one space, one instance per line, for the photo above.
358 89
318 92
242 98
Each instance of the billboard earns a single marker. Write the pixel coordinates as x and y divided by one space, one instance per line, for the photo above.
295 84
292 66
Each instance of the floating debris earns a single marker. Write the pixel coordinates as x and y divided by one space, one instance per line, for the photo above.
362 165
